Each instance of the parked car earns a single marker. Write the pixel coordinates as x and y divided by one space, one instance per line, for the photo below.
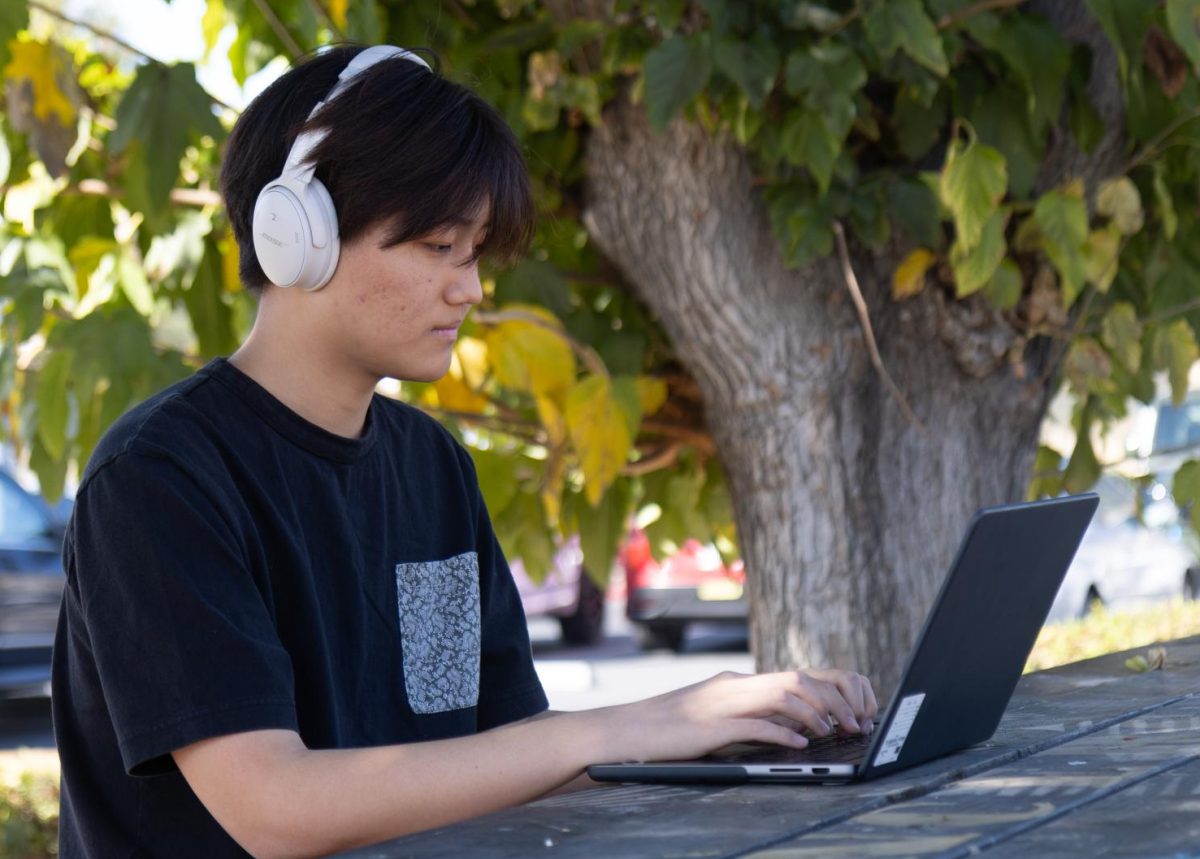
31 583
567 593
690 586
1125 561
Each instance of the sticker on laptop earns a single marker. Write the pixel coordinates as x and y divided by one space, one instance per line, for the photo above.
906 714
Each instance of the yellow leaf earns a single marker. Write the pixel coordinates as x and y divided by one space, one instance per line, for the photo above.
337 11
455 395
909 277
652 393
552 487
530 357
39 63
473 357
231 281
599 433
1119 199
85 257
553 420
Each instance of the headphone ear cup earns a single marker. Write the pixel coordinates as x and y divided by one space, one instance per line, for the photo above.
319 204
284 234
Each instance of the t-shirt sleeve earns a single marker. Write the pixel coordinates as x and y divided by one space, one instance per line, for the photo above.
181 633
509 688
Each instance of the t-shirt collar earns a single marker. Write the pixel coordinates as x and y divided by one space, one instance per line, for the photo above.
289 424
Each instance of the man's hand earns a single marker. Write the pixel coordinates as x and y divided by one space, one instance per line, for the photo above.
737 708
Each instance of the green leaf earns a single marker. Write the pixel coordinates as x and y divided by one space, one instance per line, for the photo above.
134 284
51 470
914 207
1166 204
1088 367
811 16
1119 199
675 72
824 69
1006 286
1175 350
496 473
212 318
1121 332
751 63
974 267
808 142
14 17
52 404
1125 24
1061 219
917 125
1083 470
893 25
602 527
1036 55
973 181
1183 21
163 108
1185 486
1101 256
1046 481
212 23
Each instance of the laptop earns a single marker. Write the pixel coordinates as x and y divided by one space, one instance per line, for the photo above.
958 679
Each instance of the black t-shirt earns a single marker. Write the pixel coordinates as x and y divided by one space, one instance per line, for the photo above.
232 567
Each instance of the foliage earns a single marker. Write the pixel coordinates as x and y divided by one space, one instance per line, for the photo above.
29 813
916 123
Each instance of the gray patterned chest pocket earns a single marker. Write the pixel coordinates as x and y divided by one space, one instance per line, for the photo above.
439 632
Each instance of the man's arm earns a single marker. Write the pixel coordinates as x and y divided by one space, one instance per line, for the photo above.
276 797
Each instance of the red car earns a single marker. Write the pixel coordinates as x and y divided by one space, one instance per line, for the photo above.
692 585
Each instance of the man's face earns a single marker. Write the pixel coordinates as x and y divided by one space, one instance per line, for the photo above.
397 310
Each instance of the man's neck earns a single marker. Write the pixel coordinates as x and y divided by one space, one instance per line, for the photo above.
312 388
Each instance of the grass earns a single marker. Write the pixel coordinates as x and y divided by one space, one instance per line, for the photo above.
29 778
1103 632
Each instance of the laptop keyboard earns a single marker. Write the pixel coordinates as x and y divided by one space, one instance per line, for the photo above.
823 750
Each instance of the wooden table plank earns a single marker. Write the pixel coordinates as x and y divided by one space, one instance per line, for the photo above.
1064 705
1000 805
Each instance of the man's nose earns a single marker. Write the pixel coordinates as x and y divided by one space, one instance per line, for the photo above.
467 287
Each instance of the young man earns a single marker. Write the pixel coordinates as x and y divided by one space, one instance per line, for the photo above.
288 627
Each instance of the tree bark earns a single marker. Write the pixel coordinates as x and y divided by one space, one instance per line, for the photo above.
848 514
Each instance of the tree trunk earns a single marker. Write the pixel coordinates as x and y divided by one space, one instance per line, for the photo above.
848 513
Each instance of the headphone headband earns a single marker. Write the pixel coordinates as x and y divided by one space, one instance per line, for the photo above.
295 224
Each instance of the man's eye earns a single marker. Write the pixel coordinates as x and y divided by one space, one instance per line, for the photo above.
439 248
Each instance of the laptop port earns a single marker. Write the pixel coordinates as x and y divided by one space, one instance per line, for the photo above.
820 770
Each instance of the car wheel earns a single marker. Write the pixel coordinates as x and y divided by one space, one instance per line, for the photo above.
586 625
660 636
1191 585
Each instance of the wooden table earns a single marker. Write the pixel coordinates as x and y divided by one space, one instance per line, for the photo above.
1090 760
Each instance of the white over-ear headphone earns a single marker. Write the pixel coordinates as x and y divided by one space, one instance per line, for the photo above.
295 225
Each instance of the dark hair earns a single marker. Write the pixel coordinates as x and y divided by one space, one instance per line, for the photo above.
403 144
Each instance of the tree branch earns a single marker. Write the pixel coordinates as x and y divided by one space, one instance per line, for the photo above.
279 29
864 319
1150 149
116 40
968 12
653 462
324 15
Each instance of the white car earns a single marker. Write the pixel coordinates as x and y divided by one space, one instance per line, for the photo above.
1123 562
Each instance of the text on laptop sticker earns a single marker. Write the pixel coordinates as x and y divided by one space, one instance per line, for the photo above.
906 714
